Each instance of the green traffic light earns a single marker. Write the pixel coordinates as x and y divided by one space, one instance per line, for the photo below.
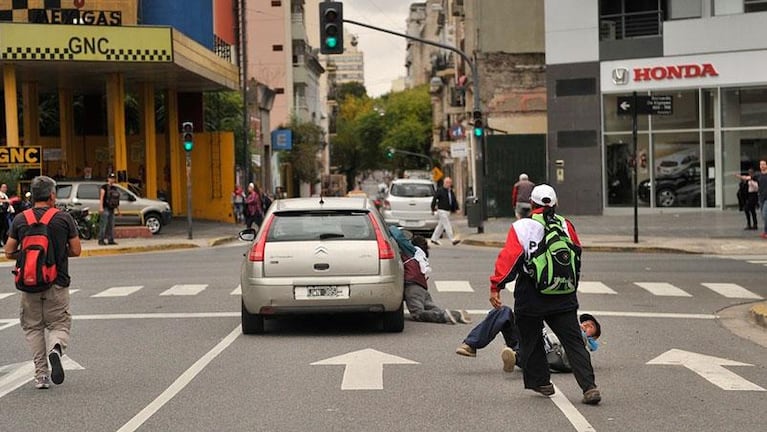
331 42
478 132
188 145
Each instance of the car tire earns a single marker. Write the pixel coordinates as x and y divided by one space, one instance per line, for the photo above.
153 222
251 323
666 198
394 322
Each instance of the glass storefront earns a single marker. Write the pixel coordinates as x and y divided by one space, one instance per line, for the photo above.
688 159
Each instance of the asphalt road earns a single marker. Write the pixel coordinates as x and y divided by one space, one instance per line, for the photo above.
158 362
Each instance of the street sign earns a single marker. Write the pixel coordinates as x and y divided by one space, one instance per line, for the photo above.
646 105
458 149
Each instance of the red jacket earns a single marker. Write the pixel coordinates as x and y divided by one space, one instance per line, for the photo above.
413 272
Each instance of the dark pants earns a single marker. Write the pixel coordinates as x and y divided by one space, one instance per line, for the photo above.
565 325
497 321
751 202
421 306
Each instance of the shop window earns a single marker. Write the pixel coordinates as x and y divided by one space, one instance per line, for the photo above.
677 169
744 107
755 5
619 165
742 150
619 123
685 112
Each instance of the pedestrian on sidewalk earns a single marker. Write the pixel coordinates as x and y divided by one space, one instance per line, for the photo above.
418 300
6 213
238 204
534 305
109 204
47 312
751 201
520 196
761 179
253 211
444 203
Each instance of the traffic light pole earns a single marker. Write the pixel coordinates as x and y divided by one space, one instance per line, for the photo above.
431 164
479 158
189 194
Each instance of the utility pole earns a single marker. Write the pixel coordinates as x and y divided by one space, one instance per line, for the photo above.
479 159
244 79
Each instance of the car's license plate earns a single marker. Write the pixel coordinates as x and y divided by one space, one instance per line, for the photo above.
321 292
411 223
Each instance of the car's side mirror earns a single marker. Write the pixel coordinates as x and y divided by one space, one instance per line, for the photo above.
248 234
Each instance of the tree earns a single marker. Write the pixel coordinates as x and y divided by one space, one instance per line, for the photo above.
307 141
350 89
223 112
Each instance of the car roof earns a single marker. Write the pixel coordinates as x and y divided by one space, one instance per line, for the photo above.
419 181
328 203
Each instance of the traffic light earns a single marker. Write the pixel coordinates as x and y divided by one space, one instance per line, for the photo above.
390 153
331 27
187 129
479 125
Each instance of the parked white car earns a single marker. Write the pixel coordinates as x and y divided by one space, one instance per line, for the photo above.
408 205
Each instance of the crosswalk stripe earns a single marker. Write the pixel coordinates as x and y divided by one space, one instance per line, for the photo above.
730 290
184 290
594 288
5 295
72 291
662 289
758 261
453 286
118 291
237 291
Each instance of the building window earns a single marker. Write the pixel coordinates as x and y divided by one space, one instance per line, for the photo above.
622 19
755 5
276 47
276 3
279 90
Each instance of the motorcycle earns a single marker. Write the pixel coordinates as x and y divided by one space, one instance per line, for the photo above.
82 218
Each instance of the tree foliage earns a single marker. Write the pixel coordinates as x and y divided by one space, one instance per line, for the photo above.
223 112
307 141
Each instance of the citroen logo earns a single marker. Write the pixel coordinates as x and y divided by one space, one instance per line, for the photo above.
620 76
320 249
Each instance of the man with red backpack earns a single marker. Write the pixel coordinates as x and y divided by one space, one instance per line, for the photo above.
41 240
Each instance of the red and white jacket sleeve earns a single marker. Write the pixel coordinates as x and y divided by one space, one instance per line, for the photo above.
508 263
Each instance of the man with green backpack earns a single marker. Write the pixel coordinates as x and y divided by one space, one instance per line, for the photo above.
543 255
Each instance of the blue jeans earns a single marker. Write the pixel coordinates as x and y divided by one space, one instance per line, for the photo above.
497 321
107 225
764 216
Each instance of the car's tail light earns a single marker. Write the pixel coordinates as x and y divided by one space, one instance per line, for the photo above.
384 248
387 205
257 251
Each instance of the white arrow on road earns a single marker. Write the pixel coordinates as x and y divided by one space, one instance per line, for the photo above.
625 106
710 368
15 375
364 368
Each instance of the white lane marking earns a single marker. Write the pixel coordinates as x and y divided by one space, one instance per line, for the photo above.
157 316
184 290
594 288
453 286
72 291
662 289
626 314
5 295
181 382
118 291
16 375
237 291
7 323
572 414
7 263
364 368
709 367
731 290
758 262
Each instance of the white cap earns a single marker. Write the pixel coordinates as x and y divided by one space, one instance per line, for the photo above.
544 195
523 176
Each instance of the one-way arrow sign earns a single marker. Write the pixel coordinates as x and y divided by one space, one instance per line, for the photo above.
15 375
709 368
646 105
364 368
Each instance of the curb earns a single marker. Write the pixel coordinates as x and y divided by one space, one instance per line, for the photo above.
596 248
218 241
136 249
759 314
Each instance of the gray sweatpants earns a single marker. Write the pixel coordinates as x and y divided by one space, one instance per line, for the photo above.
421 306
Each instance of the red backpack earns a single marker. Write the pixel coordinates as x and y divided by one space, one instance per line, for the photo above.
36 264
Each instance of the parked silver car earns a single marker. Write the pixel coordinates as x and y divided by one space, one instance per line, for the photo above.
134 210
321 255
408 205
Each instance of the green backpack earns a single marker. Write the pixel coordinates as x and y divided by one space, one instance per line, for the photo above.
554 266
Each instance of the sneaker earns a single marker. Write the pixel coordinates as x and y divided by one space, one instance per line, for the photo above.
466 351
450 317
592 396
57 370
42 382
462 317
546 390
434 242
509 358
102 243
455 242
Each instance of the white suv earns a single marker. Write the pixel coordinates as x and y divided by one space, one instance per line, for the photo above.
408 205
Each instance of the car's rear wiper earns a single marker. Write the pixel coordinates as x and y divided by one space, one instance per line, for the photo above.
324 236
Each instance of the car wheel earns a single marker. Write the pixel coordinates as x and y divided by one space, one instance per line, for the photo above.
394 322
251 323
153 222
666 198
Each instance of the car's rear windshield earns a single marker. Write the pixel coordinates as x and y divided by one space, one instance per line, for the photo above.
325 225
412 190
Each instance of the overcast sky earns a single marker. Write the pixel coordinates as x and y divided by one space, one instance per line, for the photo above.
384 54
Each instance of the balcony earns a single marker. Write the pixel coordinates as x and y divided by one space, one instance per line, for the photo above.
630 25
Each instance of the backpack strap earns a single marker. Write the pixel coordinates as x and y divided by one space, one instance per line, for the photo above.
48 215
29 215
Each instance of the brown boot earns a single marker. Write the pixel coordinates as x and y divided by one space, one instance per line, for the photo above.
592 396
546 390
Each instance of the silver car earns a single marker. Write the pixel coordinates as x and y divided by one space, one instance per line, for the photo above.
321 255
408 205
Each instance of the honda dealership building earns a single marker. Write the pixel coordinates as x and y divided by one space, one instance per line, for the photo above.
709 57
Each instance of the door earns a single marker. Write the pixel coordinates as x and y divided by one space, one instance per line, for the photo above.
506 157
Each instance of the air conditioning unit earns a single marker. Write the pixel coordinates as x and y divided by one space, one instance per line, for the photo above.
607 30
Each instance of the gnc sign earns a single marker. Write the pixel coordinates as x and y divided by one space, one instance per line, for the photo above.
659 73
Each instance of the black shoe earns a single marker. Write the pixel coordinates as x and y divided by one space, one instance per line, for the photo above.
112 242
455 242
434 242
747 228
102 243
57 370
546 390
